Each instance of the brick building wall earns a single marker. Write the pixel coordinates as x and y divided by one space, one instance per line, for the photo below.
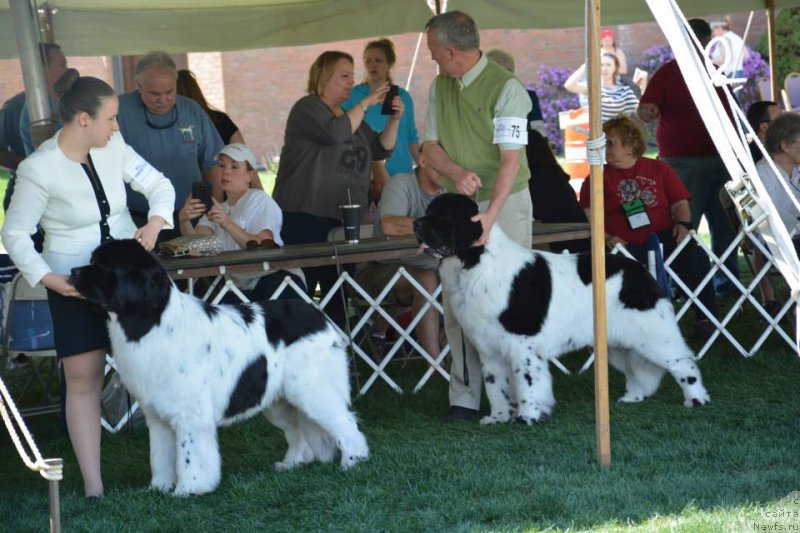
258 87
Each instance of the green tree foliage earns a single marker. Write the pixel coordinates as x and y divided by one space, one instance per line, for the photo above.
787 42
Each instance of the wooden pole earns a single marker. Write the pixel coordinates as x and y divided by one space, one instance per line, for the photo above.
773 64
603 428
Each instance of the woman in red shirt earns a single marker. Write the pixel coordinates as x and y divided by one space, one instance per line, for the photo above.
643 196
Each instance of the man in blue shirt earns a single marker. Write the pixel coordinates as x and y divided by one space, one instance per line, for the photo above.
12 145
171 132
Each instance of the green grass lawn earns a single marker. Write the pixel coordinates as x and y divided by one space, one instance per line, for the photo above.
716 468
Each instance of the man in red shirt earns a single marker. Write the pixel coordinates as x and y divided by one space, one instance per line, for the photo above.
684 143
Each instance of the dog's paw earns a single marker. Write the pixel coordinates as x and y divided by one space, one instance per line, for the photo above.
350 461
162 485
283 466
184 490
494 419
529 421
631 398
697 402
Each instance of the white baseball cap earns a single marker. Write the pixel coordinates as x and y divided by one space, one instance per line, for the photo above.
239 152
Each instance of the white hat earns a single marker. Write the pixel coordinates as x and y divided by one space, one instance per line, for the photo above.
239 152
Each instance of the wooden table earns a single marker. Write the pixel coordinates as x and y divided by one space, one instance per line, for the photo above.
331 253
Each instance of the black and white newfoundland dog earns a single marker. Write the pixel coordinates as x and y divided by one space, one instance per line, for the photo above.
194 366
521 307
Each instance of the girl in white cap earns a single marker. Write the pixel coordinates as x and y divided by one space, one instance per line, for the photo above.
246 218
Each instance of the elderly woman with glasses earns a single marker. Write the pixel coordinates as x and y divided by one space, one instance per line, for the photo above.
783 145
644 196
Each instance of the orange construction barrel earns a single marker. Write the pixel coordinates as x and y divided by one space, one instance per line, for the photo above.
575 124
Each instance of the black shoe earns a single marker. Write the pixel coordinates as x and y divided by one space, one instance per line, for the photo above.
456 413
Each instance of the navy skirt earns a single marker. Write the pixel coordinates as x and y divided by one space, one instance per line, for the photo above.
78 326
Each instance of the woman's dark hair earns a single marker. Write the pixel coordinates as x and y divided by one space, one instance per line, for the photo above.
187 86
387 47
80 94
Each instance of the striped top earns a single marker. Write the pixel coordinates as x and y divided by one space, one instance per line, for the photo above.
615 100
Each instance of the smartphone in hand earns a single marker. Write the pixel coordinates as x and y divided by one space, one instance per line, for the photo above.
201 190
386 108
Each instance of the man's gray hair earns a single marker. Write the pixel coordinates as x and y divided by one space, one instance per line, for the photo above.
157 60
784 129
457 29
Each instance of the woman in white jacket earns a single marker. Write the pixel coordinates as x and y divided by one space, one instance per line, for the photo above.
73 186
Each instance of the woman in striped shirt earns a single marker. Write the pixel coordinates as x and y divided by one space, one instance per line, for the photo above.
615 99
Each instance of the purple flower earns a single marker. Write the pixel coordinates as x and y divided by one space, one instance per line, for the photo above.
553 98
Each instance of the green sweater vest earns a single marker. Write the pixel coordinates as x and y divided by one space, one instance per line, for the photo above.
464 119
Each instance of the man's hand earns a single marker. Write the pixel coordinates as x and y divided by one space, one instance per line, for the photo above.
487 220
647 112
467 182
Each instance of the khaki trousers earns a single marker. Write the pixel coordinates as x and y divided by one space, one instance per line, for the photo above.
466 377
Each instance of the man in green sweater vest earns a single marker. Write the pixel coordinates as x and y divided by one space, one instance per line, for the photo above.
475 131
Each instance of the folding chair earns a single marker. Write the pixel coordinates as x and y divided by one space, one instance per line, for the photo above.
791 91
765 88
28 344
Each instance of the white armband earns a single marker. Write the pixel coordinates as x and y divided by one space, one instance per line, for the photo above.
510 130
141 171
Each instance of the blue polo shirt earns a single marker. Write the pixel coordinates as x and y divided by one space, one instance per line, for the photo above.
9 124
406 132
181 144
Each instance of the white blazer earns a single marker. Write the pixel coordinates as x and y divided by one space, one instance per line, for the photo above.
55 192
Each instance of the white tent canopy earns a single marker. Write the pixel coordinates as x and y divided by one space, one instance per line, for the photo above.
119 27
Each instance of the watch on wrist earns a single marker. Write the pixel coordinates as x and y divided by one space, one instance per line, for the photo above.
687 225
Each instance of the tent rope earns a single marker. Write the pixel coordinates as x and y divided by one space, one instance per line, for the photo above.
49 469
596 150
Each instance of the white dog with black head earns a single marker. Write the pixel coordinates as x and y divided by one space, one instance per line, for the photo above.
521 307
194 366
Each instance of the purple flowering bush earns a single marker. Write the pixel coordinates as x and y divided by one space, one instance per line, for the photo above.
554 98
754 67
654 57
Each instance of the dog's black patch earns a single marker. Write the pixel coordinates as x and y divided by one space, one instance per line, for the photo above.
248 315
210 310
489 378
639 290
249 389
691 380
471 256
287 321
529 300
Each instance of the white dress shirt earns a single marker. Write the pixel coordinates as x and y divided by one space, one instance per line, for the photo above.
56 193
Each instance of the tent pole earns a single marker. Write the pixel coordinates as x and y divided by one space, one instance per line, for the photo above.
24 18
413 61
773 65
603 429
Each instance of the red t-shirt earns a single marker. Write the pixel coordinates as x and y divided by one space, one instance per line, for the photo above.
680 132
653 181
